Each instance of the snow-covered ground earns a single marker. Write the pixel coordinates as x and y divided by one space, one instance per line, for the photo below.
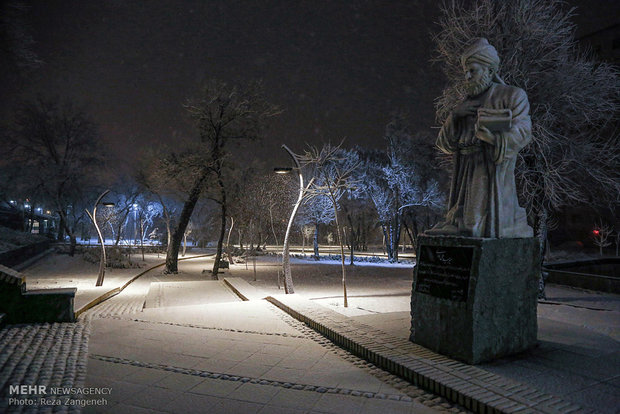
62 270
11 239
371 287
93 241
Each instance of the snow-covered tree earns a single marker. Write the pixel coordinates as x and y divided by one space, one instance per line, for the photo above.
394 182
358 211
574 105
261 204
315 211
125 204
150 210
335 171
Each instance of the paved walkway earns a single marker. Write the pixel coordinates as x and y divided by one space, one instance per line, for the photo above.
234 357
575 368
197 347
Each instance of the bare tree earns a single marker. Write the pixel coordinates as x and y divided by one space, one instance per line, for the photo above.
225 114
149 211
315 211
601 234
150 178
358 211
183 175
574 156
125 203
306 232
167 214
335 170
260 203
54 152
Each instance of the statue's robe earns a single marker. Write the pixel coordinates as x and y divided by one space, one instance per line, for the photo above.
483 197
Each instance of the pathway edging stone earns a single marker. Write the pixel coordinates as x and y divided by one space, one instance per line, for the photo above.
469 386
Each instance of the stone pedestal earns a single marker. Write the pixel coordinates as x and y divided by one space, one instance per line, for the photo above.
474 299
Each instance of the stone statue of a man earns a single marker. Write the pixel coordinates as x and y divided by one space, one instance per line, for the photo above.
485 133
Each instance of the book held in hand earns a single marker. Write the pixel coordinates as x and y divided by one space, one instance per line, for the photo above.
495 120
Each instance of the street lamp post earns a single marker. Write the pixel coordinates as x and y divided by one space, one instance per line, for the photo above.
286 264
93 217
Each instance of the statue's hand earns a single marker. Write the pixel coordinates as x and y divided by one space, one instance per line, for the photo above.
466 108
484 134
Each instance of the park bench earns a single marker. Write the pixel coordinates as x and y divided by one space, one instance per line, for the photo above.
31 306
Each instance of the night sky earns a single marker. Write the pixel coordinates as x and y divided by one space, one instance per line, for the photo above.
337 68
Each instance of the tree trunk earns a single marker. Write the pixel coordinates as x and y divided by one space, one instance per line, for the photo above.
353 236
69 232
72 244
364 233
167 219
411 237
387 242
396 236
352 255
31 219
393 245
344 272
251 232
61 227
541 230
72 239
220 241
111 230
383 240
142 238
120 228
172 253
414 223
316 241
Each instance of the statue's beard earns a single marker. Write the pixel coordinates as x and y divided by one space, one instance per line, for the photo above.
475 88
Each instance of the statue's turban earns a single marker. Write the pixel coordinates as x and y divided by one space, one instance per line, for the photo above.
480 51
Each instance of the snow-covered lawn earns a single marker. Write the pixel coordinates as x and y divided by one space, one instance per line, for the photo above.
371 287
62 270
